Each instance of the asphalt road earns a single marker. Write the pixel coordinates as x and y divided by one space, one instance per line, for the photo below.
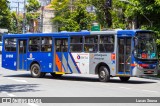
21 84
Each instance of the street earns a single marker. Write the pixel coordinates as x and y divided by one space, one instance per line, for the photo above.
21 84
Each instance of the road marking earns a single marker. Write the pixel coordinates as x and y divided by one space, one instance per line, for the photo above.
32 104
18 80
124 88
150 91
9 94
4 92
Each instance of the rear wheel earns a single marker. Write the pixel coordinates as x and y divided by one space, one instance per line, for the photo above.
124 79
103 74
35 71
56 75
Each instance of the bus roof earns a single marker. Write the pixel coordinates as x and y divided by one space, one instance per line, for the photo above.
130 33
119 33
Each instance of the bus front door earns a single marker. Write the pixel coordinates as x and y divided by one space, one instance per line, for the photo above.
61 55
22 56
124 55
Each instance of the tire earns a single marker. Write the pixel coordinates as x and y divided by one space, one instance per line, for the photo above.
35 71
56 75
124 79
103 74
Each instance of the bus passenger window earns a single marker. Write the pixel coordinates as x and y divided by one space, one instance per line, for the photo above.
10 44
34 44
46 44
106 43
76 44
91 44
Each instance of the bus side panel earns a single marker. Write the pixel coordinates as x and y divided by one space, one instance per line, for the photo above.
45 60
82 63
9 60
104 58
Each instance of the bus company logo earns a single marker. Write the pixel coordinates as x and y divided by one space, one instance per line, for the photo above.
30 56
78 57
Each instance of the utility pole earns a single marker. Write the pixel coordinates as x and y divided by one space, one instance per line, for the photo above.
18 2
108 6
24 18
18 15
71 5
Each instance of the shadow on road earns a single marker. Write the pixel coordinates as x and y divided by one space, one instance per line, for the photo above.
19 88
86 79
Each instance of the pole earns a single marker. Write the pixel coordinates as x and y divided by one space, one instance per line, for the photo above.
24 17
42 19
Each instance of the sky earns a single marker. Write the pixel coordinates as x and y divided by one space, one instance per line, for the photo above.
14 5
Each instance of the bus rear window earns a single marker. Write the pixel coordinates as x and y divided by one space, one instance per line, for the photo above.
10 44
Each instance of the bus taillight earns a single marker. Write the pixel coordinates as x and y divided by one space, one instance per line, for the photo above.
113 56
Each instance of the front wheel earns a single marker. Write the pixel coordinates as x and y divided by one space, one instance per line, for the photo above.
124 79
35 71
103 74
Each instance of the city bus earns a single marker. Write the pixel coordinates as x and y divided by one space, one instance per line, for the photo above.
112 53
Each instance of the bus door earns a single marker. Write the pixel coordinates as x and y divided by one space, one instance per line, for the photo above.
22 56
124 55
61 55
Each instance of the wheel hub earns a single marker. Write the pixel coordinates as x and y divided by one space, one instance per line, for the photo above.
102 74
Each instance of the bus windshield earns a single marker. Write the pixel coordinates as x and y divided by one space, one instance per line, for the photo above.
145 46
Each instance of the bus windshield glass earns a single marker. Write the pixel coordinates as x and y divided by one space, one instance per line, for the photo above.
145 46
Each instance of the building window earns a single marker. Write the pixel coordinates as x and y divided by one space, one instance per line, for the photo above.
76 44
91 44
106 43
10 44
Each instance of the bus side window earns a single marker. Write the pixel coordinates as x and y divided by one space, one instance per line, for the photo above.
34 44
76 43
10 44
46 44
91 43
106 43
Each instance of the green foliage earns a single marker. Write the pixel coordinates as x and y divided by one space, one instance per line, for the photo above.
72 17
5 16
33 5
16 23
32 12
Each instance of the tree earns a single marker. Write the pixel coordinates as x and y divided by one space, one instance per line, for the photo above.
103 12
32 13
5 16
72 16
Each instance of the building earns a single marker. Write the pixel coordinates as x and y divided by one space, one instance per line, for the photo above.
46 19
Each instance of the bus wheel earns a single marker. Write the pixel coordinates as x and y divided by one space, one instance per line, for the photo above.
35 71
103 74
56 75
124 79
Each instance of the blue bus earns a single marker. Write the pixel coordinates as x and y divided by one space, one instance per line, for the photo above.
114 53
